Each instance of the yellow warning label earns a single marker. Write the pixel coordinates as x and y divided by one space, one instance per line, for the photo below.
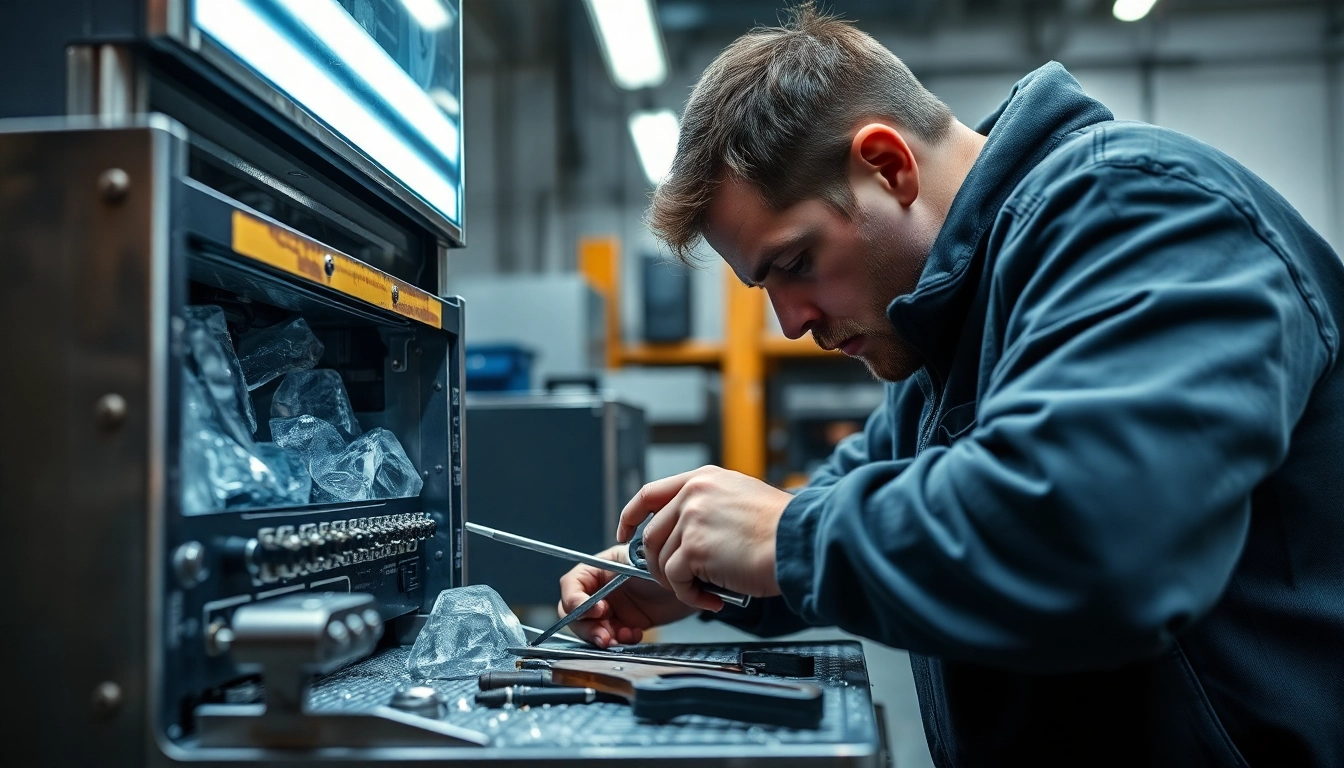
291 252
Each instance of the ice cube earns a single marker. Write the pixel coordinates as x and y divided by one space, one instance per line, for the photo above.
467 633
273 352
310 437
317 393
372 466
211 357
220 473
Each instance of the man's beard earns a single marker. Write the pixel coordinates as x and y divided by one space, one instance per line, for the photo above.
887 356
893 266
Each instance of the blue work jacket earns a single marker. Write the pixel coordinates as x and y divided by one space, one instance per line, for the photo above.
1107 516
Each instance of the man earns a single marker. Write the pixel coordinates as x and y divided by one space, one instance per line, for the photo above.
1103 503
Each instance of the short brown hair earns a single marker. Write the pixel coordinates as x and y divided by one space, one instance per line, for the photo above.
777 109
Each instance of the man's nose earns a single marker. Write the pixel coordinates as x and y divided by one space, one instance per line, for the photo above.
797 315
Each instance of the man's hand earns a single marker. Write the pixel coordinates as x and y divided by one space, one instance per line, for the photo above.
623 615
713 525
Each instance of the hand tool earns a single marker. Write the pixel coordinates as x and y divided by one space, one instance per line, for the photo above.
523 696
584 654
636 544
661 693
781 663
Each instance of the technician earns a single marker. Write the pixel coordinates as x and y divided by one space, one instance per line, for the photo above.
1103 502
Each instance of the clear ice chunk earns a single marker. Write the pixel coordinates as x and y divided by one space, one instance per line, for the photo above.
467 633
210 355
310 437
273 352
317 393
372 466
220 473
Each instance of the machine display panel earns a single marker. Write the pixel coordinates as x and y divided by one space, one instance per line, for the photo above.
383 75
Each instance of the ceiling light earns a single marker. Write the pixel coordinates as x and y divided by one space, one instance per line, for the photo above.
431 15
631 42
655 137
1132 10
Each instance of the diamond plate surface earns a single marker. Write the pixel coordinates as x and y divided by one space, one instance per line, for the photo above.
847 707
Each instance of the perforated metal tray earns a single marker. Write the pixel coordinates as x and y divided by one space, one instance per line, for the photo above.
848 734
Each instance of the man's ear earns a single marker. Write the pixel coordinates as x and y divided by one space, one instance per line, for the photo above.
879 152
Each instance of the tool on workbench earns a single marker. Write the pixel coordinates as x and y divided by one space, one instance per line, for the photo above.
780 663
584 654
638 569
661 693
524 696
507 678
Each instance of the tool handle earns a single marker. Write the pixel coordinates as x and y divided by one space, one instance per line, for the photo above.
534 678
521 696
752 701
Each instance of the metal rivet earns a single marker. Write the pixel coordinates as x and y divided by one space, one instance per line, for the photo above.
189 561
425 473
107 698
113 185
111 410
438 555
438 387
438 469
329 265
396 294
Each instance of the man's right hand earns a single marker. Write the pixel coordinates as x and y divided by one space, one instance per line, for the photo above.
622 616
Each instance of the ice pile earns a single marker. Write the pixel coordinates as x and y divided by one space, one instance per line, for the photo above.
223 466
319 453
273 352
311 415
468 632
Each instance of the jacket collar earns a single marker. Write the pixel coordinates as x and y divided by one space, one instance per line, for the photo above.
1043 108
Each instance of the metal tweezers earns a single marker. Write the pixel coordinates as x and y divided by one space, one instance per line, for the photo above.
637 569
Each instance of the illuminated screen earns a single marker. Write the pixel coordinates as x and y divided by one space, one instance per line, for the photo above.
384 75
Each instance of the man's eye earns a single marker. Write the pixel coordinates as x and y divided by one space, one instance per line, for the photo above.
800 265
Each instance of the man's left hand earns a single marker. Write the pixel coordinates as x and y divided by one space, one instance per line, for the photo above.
712 525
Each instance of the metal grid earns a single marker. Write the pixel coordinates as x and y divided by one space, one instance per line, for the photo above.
847 708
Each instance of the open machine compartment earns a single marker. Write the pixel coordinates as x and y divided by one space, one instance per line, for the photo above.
402 369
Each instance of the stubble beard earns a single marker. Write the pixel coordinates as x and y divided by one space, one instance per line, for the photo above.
893 264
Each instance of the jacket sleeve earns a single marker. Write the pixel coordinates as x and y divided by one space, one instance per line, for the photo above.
771 617
1158 350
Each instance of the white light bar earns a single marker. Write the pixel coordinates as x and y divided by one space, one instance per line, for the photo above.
630 41
429 14
1132 10
655 137
236 25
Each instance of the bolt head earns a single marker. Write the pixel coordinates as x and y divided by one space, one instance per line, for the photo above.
107 698
396 294
111 409
113 185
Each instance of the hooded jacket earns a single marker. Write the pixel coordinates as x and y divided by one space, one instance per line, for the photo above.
1107 516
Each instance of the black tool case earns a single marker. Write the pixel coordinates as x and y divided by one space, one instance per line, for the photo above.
142 171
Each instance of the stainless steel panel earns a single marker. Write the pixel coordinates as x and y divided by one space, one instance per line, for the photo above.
83 212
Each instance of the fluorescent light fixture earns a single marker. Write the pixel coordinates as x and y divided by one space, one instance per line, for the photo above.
429 14
655 137
630 41
236 25
1132 10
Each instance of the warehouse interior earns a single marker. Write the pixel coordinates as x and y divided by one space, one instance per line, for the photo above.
524 357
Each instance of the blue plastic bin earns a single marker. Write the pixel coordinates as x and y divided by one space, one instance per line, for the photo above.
499 368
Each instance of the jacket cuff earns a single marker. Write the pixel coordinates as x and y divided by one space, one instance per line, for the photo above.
795 549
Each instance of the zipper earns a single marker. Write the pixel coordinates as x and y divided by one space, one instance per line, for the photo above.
935 408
